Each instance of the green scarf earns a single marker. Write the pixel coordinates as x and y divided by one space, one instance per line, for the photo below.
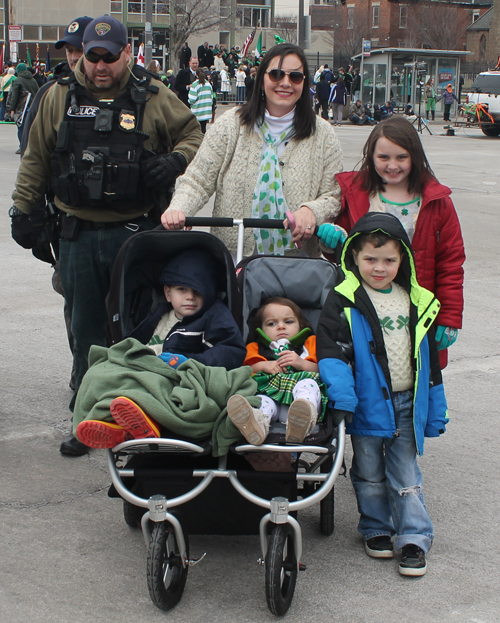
268 199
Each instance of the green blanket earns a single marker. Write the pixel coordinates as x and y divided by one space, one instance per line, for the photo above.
190 401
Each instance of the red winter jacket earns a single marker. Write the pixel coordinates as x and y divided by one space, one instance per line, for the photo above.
437 244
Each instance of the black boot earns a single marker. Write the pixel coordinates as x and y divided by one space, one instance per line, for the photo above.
433 112
427 115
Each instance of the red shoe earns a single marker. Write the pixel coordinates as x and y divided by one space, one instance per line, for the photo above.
101 435
132 418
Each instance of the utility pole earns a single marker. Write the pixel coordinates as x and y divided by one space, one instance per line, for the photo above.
148 33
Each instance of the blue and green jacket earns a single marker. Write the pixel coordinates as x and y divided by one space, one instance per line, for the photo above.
351 351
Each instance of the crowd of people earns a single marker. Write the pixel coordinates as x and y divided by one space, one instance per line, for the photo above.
384 332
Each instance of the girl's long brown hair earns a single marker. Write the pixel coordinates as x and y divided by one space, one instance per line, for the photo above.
404 134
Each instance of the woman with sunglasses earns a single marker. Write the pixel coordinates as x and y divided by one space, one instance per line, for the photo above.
267 157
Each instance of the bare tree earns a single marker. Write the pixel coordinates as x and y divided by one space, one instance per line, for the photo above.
444 30
192 17
347 31
285 25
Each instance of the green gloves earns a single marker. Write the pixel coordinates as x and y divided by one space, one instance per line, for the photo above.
330 235
445 336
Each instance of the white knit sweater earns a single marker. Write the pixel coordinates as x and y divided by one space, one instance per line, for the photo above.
227 163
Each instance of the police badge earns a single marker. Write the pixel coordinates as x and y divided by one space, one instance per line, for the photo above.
73 27
127 121
102 28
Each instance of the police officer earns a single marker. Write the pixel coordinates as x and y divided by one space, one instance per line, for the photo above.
110 140
72 42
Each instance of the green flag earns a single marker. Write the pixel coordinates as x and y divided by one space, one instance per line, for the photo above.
28 57
259 45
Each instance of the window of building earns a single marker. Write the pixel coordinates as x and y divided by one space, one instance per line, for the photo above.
250 16
350 17
50 33
160 7
116 6
31 33
475 16
482 47
375 15
403 16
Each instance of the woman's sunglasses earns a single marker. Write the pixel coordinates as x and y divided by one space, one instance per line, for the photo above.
107 58
277 75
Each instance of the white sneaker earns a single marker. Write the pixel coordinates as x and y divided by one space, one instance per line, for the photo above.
302 417
251 423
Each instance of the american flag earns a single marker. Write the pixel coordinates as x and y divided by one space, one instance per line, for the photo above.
248 41
37 61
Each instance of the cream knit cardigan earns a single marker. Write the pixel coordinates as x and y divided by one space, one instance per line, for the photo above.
227 163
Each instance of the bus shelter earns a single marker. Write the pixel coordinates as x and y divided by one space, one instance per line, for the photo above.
398 74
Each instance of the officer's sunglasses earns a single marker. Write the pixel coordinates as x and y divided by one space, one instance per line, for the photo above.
107 58
277 75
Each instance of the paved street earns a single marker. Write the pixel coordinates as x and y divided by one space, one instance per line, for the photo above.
66 553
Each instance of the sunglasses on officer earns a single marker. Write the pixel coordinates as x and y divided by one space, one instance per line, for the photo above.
277 75
107 58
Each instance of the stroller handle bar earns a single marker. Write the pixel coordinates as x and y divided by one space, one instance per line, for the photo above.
254 223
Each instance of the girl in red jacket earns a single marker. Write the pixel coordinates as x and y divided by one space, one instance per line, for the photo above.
395 177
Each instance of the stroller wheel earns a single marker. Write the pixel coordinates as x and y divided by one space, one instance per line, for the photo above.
281 570
132 514
166 575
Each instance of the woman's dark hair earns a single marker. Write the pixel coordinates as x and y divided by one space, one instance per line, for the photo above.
201 76
280 300
404 134
304 121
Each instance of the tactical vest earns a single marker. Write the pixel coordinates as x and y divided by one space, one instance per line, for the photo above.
100 146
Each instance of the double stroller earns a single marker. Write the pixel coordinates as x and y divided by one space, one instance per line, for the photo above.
174 486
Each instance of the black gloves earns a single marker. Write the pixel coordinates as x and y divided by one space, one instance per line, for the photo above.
339 415
30 232
162 171
26 231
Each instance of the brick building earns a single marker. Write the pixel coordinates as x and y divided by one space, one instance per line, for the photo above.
432 24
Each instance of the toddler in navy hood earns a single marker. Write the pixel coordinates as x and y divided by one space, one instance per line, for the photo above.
210 334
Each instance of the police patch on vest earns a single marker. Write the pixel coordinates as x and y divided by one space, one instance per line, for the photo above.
73 27
102 28
83 111
127 121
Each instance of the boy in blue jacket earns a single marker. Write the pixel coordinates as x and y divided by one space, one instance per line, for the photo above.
191 323
382 372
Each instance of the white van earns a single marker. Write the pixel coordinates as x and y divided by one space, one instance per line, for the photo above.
486 90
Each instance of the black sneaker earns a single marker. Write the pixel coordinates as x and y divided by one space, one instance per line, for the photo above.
379 547
412 561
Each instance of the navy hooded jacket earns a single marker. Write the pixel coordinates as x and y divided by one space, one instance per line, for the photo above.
210 336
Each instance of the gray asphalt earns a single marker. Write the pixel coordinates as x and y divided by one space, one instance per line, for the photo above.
66 553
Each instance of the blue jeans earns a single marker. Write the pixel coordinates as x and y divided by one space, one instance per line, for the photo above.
388 483
85 266
240 95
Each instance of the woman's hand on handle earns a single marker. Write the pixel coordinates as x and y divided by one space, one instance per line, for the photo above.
305 224
173 219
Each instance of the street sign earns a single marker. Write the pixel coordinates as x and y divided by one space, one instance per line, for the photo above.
367 47
15 33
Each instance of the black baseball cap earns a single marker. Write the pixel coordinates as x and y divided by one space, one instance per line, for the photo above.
74 33
105 32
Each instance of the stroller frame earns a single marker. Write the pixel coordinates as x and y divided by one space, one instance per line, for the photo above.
281 551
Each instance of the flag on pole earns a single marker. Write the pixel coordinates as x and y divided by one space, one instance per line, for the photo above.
47 61
37 59
28 56
259 47
140 56
249 41
2 53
